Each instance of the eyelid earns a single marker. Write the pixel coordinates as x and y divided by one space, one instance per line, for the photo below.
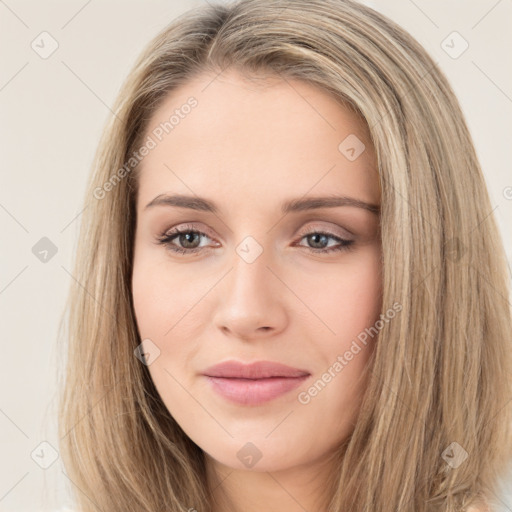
189 227
343 244
311 228
335 231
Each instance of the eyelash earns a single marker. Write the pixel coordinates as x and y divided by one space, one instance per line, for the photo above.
166 239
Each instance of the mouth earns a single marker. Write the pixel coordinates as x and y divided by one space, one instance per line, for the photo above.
256 383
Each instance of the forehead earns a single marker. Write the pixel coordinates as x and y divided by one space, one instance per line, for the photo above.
256 139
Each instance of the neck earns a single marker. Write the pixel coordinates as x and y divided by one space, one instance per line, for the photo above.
296 489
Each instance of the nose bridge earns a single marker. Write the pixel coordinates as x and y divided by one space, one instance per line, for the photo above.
250 274
249 300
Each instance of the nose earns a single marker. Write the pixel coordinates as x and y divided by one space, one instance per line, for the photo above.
251 300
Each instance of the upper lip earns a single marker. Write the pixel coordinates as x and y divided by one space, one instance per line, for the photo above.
256 370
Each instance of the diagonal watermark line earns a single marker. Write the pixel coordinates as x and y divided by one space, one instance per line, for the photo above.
414 414
499 498
115 115
284 78
416 285
13 279
199 403
492 81
424 13
281 9
13 217
490 285
89 411
215 77
304 195
88 293
14 486
76 14
210 491
287 492
280 423
88 497
14 76
485 15
198 301
221 220
74 218
480 223
408 202
300 300
388 111
380 120
14 424
13 13
493 418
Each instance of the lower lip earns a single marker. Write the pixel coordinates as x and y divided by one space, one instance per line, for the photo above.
254 392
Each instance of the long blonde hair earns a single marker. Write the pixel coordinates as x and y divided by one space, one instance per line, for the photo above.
441 371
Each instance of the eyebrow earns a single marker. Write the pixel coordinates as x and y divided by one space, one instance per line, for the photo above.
293 205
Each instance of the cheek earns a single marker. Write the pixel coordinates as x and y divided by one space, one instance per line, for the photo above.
161 297
350 306
361 292
347 298
149 301
161 302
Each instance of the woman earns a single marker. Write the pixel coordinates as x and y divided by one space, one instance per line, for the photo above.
293 294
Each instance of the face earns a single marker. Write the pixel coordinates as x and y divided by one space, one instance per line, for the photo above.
229 275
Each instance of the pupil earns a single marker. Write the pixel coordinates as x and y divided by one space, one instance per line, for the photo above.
187 237
315 237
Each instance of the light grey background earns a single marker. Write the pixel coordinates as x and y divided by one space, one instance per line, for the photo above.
52 111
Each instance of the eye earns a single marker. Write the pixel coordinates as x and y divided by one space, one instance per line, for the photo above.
190 241
320 239
188 237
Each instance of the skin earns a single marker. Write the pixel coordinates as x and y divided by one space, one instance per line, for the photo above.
248 146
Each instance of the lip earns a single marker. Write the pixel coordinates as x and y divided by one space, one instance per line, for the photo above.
255 383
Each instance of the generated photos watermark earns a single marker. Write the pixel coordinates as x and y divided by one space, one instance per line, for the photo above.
304 397
151 142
